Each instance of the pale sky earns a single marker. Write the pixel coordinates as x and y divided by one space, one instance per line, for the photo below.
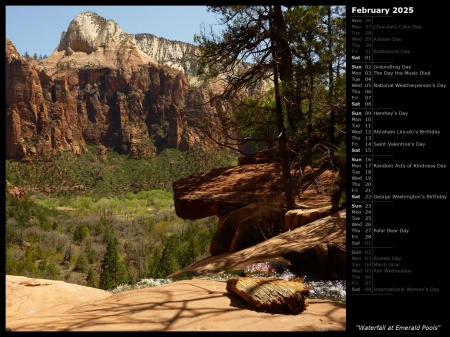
38 29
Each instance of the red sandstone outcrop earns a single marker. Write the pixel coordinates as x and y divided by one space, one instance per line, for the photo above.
222 190
100 88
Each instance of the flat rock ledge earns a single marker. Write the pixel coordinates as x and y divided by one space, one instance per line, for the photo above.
271 295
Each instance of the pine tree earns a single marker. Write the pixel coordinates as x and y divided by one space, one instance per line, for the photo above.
302 50
82 263
113 272
255 33
170 256
80 233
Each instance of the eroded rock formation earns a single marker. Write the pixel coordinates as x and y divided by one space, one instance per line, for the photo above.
102 86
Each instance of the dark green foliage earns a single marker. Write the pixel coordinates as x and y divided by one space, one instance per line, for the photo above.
72 231
90 253
113 271
13 233
197 240
99 226
22 211
27 266
183 248
48 270
91 280
82 264
154 263
81 232
170 256
109 185
114 176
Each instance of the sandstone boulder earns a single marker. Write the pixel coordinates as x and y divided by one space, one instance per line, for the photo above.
223 190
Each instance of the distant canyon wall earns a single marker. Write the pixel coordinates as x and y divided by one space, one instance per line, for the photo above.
101 86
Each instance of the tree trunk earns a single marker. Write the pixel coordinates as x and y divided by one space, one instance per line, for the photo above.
282 140
285 66
330 82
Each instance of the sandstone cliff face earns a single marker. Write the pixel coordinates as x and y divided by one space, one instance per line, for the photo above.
102 86
177 55
90 33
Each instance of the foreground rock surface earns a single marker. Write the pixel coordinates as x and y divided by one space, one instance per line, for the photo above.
194 305
271 295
